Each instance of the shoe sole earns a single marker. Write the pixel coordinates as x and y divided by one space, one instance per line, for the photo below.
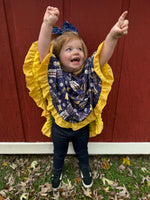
55 189
87 186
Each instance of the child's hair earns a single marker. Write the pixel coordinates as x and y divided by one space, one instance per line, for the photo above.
66 37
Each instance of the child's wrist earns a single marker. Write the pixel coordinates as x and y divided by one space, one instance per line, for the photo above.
113 36
47 24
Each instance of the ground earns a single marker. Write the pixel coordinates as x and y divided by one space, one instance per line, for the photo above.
27 177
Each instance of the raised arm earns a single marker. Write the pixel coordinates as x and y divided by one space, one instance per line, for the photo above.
50 18
117 31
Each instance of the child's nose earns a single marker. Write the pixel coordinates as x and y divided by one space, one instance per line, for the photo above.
76 51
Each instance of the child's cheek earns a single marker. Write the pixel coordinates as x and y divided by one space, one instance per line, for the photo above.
66 57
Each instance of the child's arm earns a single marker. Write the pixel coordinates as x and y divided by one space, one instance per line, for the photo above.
117 31
50 18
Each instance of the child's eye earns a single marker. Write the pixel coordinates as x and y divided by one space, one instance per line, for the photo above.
80 49
68 49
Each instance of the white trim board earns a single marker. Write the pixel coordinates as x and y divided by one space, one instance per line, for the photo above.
95 148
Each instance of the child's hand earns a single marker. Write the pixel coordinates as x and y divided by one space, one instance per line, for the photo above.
121 27
51 16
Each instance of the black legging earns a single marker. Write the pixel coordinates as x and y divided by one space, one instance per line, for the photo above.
61 138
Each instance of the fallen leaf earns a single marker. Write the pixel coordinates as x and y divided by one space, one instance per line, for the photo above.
34 164
107 181
47 187
11 180
5 164
13 166
1 198
96 196
68 186
56 196
95 174
126 161
106 189
122 167
3 193
143 198
105 164
87 192
24 196
123 193
144 169
77 180
147 179
44 195
130 171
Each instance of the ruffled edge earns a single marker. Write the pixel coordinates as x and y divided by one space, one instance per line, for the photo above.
31 69
37 83
106 75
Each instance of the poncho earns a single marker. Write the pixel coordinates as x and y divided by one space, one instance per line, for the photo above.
73 101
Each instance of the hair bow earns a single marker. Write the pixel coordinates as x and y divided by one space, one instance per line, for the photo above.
66 27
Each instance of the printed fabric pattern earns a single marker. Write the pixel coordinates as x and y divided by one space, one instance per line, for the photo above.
74 98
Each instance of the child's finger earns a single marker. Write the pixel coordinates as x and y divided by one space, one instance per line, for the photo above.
125 24
122 18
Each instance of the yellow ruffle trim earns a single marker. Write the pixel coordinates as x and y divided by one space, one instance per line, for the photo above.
37 83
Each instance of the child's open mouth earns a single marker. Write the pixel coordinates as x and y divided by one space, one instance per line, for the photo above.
75 60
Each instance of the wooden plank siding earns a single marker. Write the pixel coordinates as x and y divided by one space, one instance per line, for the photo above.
126 116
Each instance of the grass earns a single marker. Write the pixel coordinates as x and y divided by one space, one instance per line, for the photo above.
115 178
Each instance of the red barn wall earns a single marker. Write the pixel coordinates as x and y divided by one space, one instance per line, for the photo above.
126 116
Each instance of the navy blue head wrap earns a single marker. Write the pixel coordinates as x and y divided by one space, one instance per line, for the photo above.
66 27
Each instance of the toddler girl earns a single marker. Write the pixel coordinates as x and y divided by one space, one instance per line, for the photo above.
71 89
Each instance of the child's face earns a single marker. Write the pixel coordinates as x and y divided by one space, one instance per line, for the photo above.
72 56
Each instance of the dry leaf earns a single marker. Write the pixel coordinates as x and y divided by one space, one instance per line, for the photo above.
123 193
34 164
47 187
24 196
87 192
143 198
95 174
56 196
147 178
107 181
126 161
144 169
77 180
130 171
122 167
13 166
1 198
5 164
96 196
106 189
3 193
105 164
11 180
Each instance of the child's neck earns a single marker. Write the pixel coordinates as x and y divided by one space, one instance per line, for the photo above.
78 72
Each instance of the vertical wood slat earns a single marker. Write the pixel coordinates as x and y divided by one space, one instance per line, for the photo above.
10 118
133 116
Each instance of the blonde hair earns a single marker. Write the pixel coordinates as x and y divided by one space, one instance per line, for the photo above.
66 37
